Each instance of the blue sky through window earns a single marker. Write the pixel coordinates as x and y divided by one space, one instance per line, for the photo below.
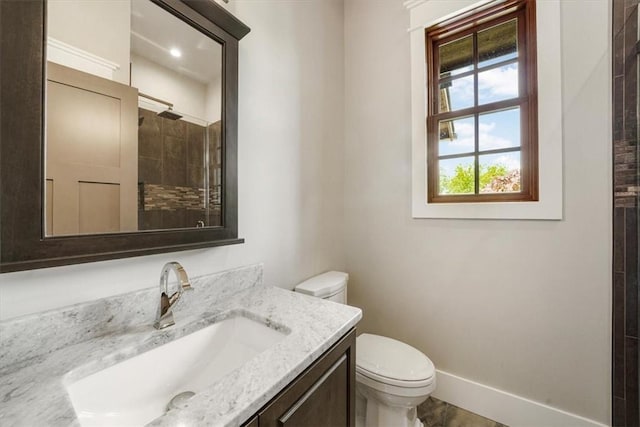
497 129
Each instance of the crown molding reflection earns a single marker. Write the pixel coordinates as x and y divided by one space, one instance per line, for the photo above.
73 57
410 4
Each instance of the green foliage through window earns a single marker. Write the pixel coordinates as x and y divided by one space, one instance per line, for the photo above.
493 179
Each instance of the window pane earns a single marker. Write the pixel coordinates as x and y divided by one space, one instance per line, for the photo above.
457 176
456 136
498 84
456 56
456 94
497 44
500 173
500 129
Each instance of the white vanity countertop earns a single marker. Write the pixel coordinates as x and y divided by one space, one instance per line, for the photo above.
33 390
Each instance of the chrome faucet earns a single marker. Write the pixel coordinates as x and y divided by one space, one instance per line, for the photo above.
164 318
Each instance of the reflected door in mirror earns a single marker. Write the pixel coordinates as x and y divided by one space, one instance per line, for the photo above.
92 146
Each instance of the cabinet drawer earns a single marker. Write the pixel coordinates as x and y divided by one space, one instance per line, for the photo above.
323 395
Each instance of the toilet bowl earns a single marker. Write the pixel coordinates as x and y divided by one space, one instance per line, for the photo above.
392 378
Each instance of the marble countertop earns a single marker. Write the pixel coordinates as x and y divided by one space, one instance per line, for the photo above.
33 385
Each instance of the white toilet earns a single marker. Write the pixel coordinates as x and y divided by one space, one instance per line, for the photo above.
392 378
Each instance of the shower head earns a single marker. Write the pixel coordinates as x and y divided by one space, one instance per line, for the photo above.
169 114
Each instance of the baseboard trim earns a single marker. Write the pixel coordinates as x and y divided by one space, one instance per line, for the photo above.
503 407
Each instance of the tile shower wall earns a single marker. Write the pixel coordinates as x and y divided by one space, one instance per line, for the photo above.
626 182
171 156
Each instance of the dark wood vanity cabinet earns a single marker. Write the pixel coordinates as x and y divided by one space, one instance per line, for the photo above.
323 395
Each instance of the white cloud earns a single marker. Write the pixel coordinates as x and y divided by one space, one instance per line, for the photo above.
489 141
494 85
499 83
511 161
465 136
461 93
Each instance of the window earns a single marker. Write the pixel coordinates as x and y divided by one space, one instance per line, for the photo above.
482 106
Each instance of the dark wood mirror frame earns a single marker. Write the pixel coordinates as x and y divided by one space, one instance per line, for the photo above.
23 245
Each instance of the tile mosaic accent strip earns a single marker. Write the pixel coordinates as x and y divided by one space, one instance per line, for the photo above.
172 197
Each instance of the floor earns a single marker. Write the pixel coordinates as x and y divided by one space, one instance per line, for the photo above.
436 413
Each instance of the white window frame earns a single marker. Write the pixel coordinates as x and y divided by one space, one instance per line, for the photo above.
426 13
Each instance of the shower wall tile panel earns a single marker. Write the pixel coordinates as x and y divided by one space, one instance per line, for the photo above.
619 411
618 336
174 164
170 172
631 272
149 170
632 400
626 189
149 130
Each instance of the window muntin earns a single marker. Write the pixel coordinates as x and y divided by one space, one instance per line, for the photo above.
482 115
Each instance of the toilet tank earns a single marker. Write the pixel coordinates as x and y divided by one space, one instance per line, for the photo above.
331 286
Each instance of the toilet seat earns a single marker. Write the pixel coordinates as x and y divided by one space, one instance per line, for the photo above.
372 376
391 362
396 390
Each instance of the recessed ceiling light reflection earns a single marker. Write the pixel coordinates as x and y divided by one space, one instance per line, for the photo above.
175 52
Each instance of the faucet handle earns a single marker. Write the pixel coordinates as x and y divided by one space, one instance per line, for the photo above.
171 299
165 317
165 303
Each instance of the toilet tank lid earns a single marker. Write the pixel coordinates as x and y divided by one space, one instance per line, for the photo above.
324 285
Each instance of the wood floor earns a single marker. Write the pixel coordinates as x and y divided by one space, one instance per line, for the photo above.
436 413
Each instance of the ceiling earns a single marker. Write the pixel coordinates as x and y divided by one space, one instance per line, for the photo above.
154 32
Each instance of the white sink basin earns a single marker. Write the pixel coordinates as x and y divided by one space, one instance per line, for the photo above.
137 391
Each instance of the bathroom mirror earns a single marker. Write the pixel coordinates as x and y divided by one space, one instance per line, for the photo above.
119 129
132 118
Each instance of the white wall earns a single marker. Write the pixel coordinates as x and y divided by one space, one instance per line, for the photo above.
290 167
213 103
522 306
188 96
100 27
